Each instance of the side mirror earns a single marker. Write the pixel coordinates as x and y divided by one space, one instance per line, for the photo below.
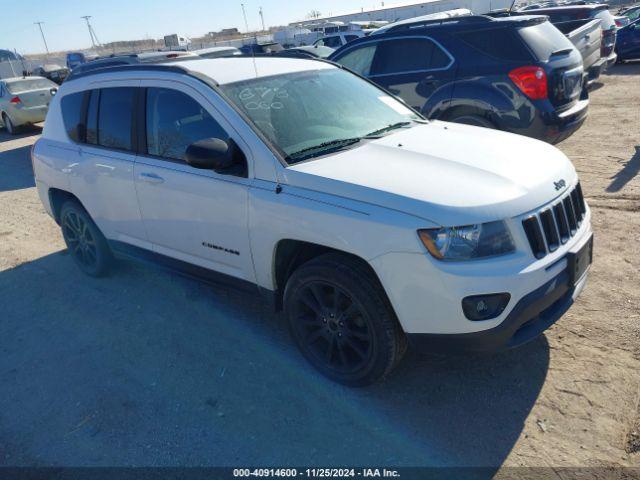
213 154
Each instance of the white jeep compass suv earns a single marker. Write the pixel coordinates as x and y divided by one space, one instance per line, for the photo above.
371 227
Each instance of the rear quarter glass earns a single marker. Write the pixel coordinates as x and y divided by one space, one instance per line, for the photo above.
544 39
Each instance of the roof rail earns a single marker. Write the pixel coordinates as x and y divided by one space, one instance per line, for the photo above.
469 19
128 68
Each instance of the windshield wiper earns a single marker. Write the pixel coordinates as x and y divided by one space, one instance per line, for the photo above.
388 128
322 148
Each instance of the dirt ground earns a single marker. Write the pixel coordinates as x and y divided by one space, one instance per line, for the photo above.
147 368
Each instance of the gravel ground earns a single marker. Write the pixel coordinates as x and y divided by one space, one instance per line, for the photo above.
146 368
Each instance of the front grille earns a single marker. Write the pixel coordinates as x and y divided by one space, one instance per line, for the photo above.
555 224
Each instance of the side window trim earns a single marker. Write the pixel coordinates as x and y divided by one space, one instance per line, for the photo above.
406 72
82 137
139 122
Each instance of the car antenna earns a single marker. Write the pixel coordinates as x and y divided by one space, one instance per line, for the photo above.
511 7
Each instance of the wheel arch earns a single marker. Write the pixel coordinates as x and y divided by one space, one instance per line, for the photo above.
57 198
289 254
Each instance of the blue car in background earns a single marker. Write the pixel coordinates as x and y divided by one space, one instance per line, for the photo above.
77 58
628 44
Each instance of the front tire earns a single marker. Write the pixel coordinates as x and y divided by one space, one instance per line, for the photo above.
341 320
85 242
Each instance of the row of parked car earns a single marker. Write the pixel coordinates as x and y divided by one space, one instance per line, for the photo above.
526 71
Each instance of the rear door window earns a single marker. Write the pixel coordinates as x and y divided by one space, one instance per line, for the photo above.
408 55
115 117
175 121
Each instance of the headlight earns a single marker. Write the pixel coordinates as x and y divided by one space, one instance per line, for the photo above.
468 242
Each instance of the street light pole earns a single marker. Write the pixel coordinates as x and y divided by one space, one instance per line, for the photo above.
94 38
244 14
46 47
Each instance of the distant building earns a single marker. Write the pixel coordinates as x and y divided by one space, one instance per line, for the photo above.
393 12
225 32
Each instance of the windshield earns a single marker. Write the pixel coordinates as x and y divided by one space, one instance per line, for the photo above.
29 84
544 39
306 114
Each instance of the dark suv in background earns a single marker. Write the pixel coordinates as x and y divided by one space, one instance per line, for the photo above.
518 74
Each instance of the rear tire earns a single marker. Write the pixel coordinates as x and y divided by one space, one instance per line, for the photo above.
341 320
8 125
85 242
475 120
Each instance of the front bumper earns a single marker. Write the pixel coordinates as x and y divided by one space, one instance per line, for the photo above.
427 294
531 316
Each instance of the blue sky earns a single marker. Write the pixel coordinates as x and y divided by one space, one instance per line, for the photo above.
132 19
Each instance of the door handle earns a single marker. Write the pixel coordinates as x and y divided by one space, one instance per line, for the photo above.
150 178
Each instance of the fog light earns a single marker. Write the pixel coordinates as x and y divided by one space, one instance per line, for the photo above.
484 307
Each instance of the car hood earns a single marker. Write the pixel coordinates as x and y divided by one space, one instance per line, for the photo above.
447 173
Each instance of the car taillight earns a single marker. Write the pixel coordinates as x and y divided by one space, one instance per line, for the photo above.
532 81
15 100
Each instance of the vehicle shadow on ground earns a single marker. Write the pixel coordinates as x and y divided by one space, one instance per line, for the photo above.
628 172
26 131
16 171
630 68
148 368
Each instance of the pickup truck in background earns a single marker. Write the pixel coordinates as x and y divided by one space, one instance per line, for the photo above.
567 13
587 38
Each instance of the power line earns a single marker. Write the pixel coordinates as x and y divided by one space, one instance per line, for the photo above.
94 38
46 47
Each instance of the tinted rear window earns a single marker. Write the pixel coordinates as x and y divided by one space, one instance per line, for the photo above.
497 43
114 117
544 39
72 114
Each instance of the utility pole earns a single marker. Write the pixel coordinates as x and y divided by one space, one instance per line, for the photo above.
46 47
262 19
244 14
94 38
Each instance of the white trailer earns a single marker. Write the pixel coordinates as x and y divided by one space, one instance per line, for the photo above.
393 12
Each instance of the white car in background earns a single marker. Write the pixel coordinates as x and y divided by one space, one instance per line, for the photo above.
372 227
24 101
217 52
